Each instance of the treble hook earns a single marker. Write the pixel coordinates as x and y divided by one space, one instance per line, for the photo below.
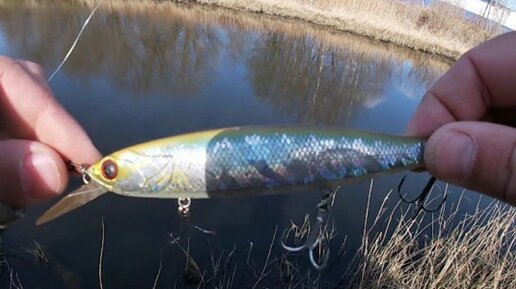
421 200
316 236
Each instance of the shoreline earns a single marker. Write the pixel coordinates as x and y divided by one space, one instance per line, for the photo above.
400 34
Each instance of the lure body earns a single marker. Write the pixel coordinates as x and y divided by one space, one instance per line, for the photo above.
243 161
252 159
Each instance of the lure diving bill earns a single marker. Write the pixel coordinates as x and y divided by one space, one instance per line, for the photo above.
242 161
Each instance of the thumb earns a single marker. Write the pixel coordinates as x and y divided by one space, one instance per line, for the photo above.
476 155
29 171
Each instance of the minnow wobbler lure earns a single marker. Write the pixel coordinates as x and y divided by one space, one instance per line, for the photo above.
241 161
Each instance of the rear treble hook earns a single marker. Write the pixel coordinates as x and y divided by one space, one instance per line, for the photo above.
316 236
422 199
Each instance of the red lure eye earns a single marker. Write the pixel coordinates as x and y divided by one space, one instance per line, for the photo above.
109 169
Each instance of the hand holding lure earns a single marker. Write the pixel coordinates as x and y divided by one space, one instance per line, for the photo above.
242 161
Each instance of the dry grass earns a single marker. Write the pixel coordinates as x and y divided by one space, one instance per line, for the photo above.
477 251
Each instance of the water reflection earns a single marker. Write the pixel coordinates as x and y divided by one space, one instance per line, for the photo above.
316 76
138 55
326 82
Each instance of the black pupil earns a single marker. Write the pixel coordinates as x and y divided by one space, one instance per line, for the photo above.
109 170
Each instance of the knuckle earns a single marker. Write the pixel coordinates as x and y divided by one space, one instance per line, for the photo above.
30 64
32 68
9 65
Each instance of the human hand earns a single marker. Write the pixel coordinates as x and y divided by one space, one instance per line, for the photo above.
36 136
469 115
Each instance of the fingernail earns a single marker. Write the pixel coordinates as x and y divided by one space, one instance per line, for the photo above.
40 176
453 156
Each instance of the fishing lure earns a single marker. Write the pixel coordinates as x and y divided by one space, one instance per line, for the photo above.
242 161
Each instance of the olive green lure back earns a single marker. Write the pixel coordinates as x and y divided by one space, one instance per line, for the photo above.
245 161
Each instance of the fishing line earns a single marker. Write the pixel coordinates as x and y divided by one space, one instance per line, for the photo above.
74 43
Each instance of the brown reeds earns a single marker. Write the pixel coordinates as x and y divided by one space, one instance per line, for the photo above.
473 251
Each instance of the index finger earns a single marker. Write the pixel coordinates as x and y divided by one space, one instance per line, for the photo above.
29 111
481 79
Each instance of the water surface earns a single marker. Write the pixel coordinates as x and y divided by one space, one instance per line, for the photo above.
142 72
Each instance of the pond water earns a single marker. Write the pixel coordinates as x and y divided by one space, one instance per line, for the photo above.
145 71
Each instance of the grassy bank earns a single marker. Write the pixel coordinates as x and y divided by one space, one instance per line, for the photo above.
476 251
438 29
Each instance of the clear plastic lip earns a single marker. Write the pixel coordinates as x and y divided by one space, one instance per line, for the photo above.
72 201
